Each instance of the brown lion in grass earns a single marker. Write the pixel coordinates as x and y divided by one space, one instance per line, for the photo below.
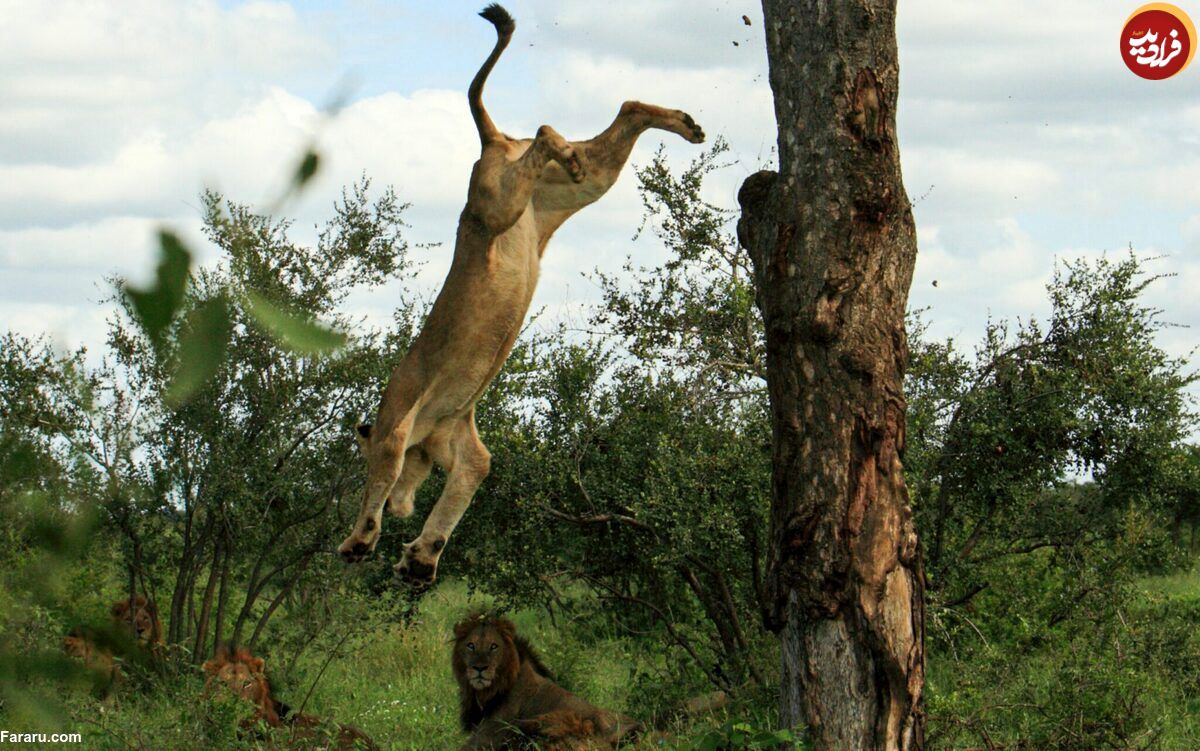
245 675
508 696
81 644
141 618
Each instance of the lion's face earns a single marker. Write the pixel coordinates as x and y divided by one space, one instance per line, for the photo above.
140 619
78 646
484 652
242 681
241 673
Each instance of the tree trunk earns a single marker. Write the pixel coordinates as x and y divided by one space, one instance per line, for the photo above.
275 603
833 245
222 595
178 629
199 652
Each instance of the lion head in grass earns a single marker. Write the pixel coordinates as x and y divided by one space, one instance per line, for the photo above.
81 644
244 675
140 616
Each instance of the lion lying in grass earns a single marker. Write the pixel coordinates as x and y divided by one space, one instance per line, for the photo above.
245 675
95 648
507 695
81 644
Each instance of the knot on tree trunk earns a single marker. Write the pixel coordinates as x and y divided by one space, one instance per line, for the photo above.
757 199
866 120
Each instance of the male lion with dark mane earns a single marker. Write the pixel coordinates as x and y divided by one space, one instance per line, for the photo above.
507 695
141 618
521 191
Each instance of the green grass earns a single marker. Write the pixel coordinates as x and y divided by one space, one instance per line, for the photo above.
392 679
1181 586
398 686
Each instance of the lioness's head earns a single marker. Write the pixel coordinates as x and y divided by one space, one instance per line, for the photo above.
140 618
78 644
81 644
244 675
485 656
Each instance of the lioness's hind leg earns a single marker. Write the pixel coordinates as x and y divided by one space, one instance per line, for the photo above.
467 462
417 465
382 475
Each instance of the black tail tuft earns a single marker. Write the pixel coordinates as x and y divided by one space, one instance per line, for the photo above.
499 18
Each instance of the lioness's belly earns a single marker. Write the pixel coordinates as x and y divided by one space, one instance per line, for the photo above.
476 319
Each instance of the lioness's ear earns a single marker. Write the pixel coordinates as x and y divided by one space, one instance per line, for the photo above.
363 434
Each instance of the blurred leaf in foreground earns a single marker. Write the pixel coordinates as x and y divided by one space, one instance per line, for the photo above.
202 348
306 169
156 306
294 332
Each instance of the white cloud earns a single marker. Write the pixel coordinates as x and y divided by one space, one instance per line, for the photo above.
80 79
1007 270
114 115
963 178
80 248
655 33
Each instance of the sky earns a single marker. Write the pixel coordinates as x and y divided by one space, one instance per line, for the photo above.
1024 139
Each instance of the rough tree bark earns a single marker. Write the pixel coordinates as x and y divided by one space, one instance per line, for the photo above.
833 244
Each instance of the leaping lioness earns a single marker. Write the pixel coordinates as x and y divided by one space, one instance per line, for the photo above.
521 191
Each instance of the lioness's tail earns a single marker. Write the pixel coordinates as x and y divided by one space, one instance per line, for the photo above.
504 24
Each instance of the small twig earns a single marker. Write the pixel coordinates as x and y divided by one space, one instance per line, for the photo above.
104 729
324 665
678 638
966 597
597 519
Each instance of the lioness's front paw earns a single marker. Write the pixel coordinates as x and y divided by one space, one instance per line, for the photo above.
418 564
693 131
573 166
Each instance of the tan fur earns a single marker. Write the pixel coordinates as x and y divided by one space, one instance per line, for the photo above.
506 695
245 675
521 191
141 619
80 645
